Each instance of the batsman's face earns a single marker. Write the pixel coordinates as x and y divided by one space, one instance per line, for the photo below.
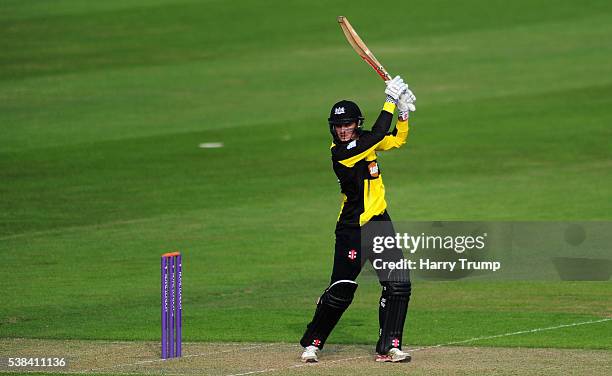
346 132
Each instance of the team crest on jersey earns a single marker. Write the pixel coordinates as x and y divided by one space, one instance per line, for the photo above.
339 111
373 167
351 145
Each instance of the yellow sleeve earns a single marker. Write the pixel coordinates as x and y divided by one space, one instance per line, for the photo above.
397 140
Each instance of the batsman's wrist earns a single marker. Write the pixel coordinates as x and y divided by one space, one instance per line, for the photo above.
403 115
390 104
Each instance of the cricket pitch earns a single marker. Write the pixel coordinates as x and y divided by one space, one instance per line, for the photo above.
143 358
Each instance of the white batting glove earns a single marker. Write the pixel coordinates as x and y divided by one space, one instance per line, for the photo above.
406 104
394 88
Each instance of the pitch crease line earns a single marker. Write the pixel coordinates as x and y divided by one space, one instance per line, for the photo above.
513 333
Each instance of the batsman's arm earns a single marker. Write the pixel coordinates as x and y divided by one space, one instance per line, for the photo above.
357 150
405 104
397 138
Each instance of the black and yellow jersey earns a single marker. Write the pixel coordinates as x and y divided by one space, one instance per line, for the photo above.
358 172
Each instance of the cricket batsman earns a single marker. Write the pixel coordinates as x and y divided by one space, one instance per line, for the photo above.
355 164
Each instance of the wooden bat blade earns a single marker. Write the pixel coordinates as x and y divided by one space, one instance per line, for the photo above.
360 47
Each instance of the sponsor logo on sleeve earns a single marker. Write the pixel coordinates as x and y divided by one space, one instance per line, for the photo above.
373 167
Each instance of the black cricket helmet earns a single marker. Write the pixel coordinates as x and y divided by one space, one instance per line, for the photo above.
344 112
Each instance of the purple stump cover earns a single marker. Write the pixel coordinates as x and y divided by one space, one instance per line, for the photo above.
179 305
171 304
171 321
164 306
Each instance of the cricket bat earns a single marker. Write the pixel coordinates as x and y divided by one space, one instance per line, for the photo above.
361 48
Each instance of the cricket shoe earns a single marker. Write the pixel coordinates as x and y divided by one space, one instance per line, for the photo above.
310 354
394 355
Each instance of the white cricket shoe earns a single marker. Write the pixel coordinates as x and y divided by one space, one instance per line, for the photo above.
394 355
310 354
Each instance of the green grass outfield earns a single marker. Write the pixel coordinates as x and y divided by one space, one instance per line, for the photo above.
103 105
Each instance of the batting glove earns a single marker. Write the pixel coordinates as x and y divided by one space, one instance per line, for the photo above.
406 104
394 88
